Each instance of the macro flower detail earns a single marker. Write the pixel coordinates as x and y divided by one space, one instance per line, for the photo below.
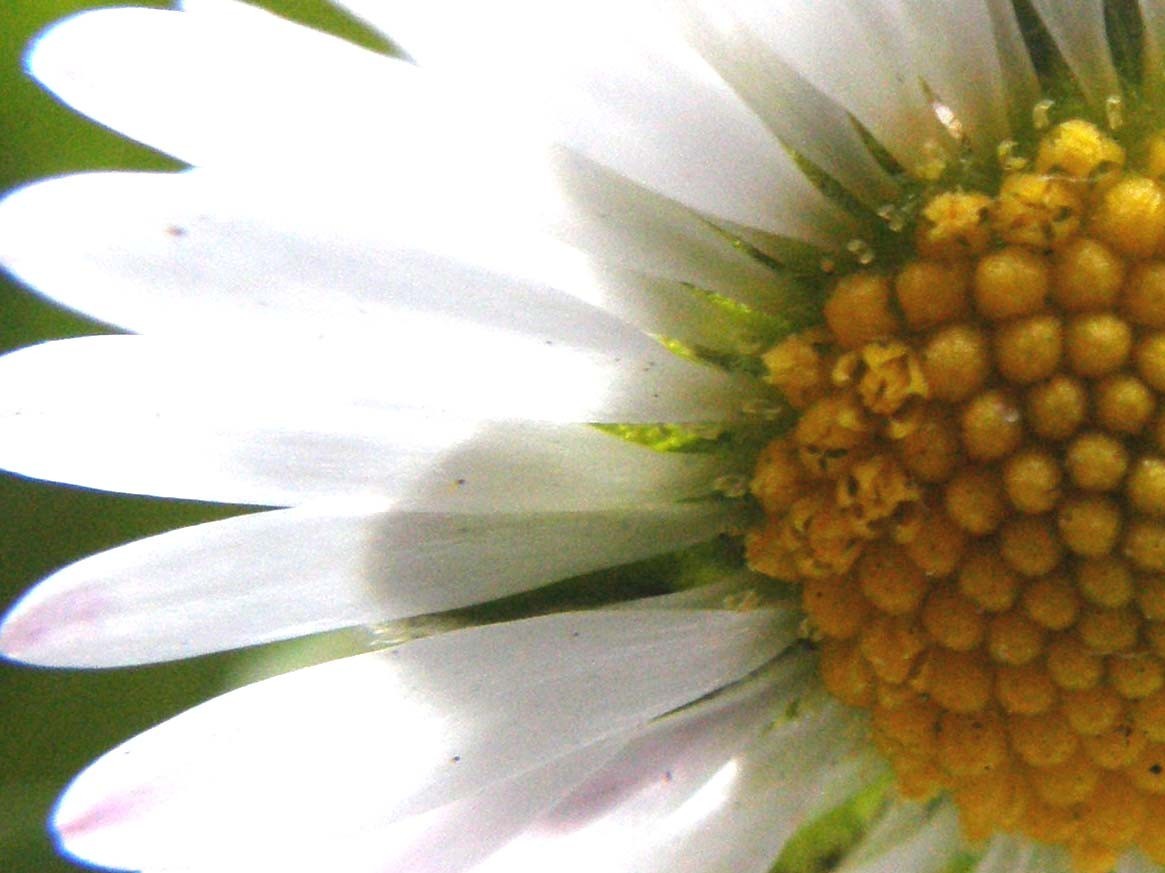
813 348
983 570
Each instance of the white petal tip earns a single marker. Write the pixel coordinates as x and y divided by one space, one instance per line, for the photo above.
60 630
98 829
53 58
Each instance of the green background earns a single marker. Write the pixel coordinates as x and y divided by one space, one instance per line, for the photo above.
53 722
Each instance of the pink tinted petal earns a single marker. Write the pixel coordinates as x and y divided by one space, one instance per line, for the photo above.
366 741
720 787
271 576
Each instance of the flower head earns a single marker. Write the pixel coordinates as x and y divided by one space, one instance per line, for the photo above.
582 286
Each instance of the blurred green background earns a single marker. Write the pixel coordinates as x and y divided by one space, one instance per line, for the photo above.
53 722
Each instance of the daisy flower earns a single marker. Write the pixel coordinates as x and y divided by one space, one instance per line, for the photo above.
857 307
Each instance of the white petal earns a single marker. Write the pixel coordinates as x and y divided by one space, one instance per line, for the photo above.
671 755
193 253
736 783
857 55
616 83
1131 862
323 102
158 417
200 252
453 837
415 157
443 840
1009 854
276 575
711 596
510 197
973 58
1153 14
664 122
1022 85
500 195
1079 31
792 108
873 58
795 773
661 782
1051 859
922 838
234 85
368 740
658 772
613 220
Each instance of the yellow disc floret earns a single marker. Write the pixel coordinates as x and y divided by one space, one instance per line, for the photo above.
1029 545
1011 282
973 498
931 451
991 426
1130 217
1028 350
1146 486
1037 210
955 224
1143 300
1097 343
1052 601
1096 461
1079 150
931 292
1032 479
1087 275
1123 403
798 366
1057 408
956 362
1105 582
860 310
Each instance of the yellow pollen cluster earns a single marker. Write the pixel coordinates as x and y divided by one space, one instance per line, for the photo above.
973 500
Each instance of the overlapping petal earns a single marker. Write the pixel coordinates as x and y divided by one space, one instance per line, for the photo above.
720 791
202 251
732 39
646 106
398 733
922 837
1006 854
617 82
280 426
1081 36
271 576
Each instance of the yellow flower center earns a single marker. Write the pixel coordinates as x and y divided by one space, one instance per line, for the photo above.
973 499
